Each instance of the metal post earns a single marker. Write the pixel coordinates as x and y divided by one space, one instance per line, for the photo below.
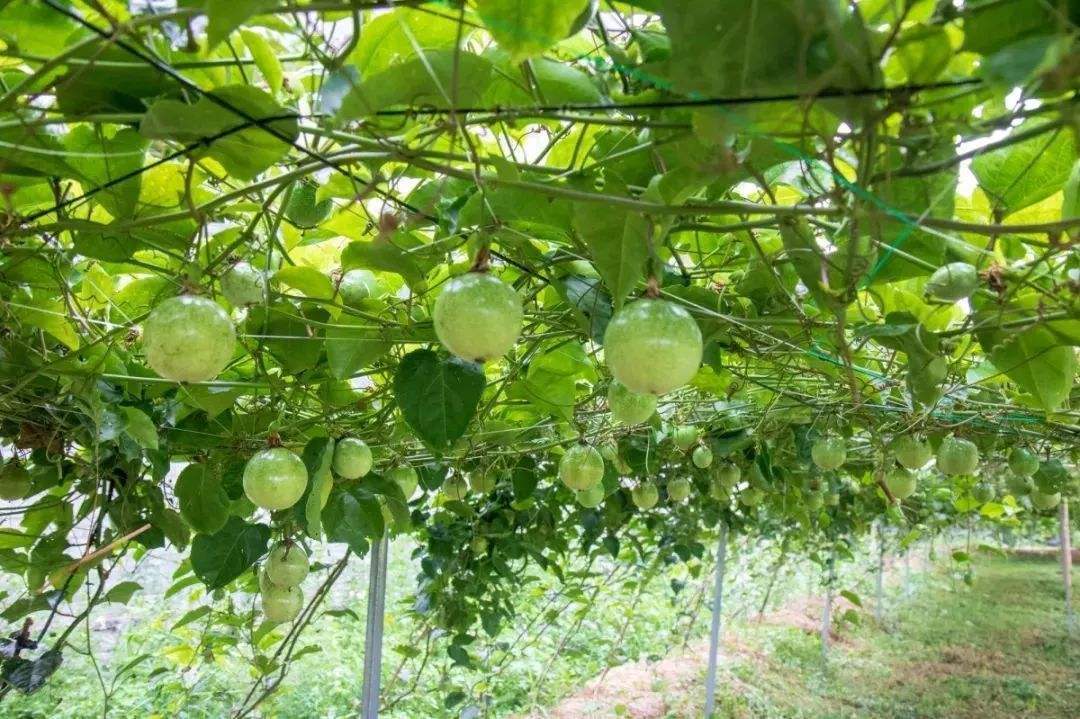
1064 535
826 611
714 635
879 601
376 607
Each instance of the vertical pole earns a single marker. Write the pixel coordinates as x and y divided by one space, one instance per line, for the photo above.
376 607
879 600
826 611
714 632
1064 535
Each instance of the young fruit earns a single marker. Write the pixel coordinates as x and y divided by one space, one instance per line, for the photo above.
653 346
478 317
304 210
728 475
911 452
751 496
243 285
983 492
610 452
685 436
455 488
352 458
952 282
957 456
357 286
188 339
901 483
281 604
679 489
479 545
275 479
1043 502
702 457
592 497
406 478
645 495
814 500
1019 486
829 452
287 565
1023 462
15 481
629 407
581 467
481 482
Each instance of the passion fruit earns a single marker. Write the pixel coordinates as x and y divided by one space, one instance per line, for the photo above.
957 456
685 436
15 482
281 604
243 285
702 457
1023 462
952 282
829 452
188 339
679 489
352 458
901 483
728 475
911 452
581 467
592 497
405 478
455 488
1043 502
1019 486
983 492
478 317
275 479
357 286
481 482
287 565
645 495
628 407
653 346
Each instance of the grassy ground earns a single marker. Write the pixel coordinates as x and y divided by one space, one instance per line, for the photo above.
995 650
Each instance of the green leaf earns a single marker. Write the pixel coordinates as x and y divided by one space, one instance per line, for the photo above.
224 16
1017 176
122 592
141 428
551 382
618 245
437 396
422 81
556 83
384 256
318 491
990 25
282 329
1039 364
128 85
353 519
402 34
100 160
352 344
219 558
204 504
308 280
526 28
265 59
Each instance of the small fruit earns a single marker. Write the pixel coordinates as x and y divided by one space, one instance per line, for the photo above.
728 475
455 488
1019 486
911 452
275 479
406 478
581 467
829 452
479 545
287 565
953 282
357 286
751 496
814 500
610 452
1051 477
629 407
188 339
592 497
645 495
304 210
702 457
901 483
1043 502
653 346
243 285
1023 462
15 481
352 458
957 456
983 492
478 317
685 436
679 489
281 604
481 482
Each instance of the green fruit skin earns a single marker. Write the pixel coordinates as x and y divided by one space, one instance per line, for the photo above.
188 339
478 317
685 437
481 482
287 565
728 475
653 346
1051 477
1043 502
901 483
645 495
953 282
281 604
751 496
243 285
275 479
583 18
15 482
679 489
581 467
814 500
1023 462
406 478
628 407
455 488
357 286
912 453
592 497
983 492
957 456
352 458
829 452
1019 486
702 457
479 545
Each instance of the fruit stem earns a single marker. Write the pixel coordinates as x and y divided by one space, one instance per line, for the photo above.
652 287
482 261
274 440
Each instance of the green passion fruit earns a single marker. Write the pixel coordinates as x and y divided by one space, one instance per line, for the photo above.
1023 462
275 479
751 496
1051 477
628 407
957 456
983 492
478 545
581 467
188 339
645 495
592 497
901 483
455 488
15 481
728 475
405 478
481 482
357 286
702 457
952 282
829 452
1019 486
679 489
478 317
1042 501
911 452
685 436
352 458
243 285
281 604
287 565
653 346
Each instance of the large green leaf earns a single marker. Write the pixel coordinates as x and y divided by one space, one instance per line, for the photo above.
526 28
204 504
618 244
224 16
219 558
352 517
352 344
437 396
281 327
102 159
1017 176
1039 364
400 35
318 457
990 25
383 255
436 79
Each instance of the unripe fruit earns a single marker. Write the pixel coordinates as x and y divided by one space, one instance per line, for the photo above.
829 452
592 497
281 604
287 565
953 282
814 500
751 496
911 452
581 467
629 407
188 339
1019 486
243 285
679 489
357 286
455 488
611 453
15 482
479 545
957 456
406 478
901 483
352 458
653 346
702 457
1023 462
481 482
728 475
478 317
304 210
645 495
1052 477
275 479
685 436
1043 502
983 492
